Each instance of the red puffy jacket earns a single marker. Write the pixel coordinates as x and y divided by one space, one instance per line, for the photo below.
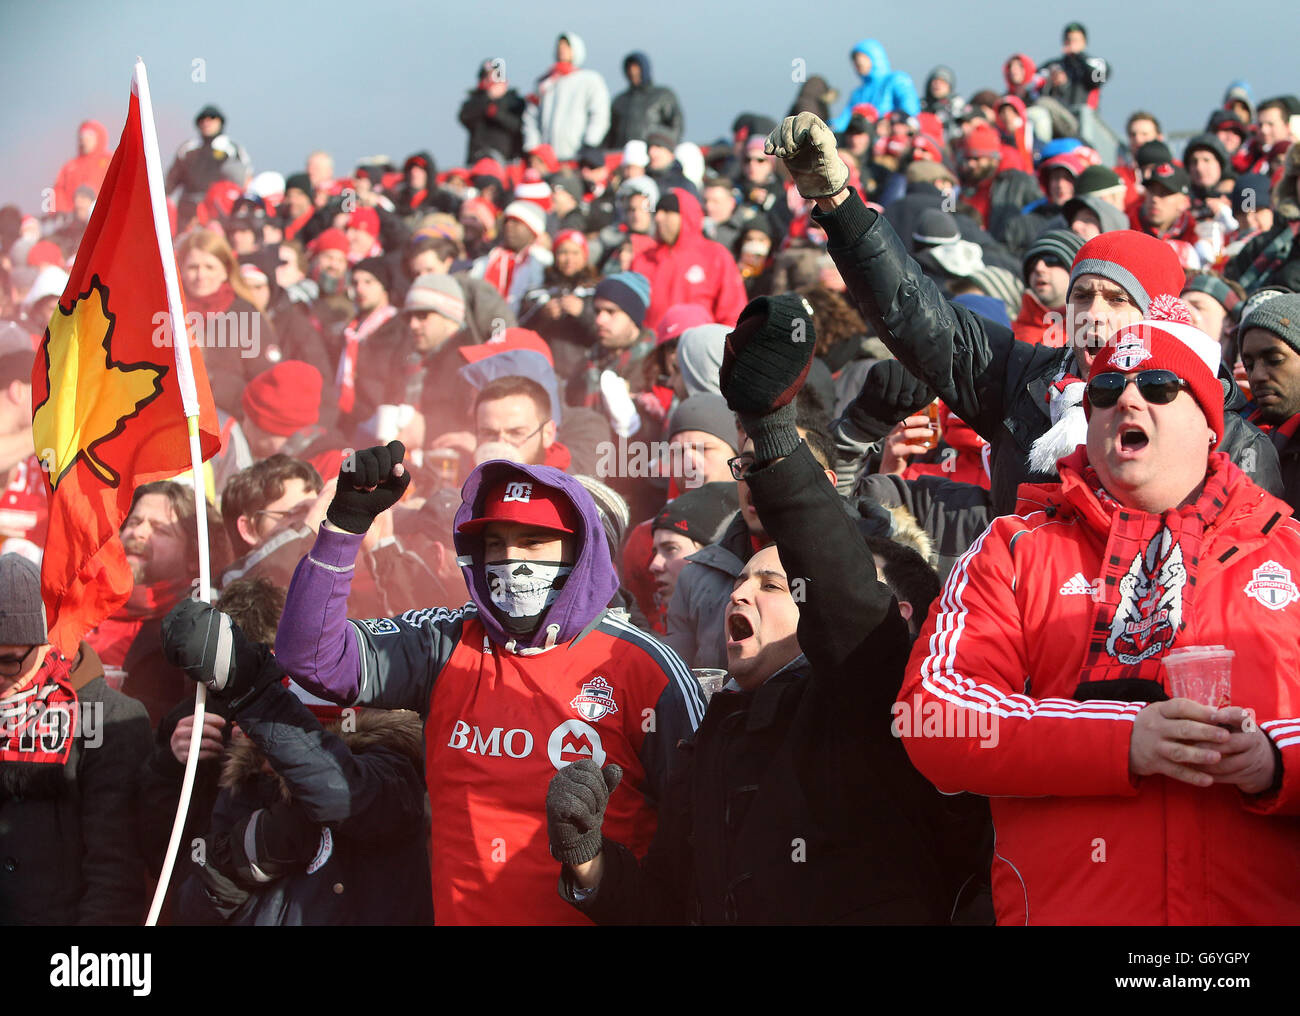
694 269
994 675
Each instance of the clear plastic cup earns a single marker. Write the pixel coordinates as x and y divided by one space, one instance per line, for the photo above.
114 677
711 680
1200 673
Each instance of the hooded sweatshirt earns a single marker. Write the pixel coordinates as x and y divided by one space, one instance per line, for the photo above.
502 712
570 108
880 87
83 170
693 269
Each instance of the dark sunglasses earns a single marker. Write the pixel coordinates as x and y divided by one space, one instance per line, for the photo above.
1158 387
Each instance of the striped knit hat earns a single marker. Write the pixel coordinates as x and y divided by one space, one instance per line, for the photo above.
1059 245
1141 265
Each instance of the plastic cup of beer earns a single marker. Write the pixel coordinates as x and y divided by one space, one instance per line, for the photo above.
931 441
711 680
1200 673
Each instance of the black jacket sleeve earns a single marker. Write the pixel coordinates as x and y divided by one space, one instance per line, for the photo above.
655 890
111 867
849 625
964 358
368 794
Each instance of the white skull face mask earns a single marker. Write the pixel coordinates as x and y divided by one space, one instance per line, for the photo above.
522 591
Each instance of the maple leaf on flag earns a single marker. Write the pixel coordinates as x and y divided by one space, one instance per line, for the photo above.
97 395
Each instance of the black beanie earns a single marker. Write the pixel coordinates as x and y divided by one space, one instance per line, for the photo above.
700 514
669 203
299 181
377 267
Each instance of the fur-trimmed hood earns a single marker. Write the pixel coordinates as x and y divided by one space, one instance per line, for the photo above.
397 729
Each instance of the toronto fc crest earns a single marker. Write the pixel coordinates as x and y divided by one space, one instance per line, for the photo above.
1150 609
595 699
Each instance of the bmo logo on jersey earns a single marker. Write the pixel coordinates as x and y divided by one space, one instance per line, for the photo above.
570 742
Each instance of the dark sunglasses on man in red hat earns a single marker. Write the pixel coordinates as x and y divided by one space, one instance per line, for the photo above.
1158 387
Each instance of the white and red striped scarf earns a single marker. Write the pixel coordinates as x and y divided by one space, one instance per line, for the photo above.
355 334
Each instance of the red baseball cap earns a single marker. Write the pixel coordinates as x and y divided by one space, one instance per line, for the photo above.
525 501
511 338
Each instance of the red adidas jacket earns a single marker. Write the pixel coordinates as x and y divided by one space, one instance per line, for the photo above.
994 675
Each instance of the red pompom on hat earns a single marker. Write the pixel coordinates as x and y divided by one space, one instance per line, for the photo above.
1168 345
331 239
366 220
1138 263
528 502
284 399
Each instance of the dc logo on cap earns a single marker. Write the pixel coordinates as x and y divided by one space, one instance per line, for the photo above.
1165 169
1129 352
519 491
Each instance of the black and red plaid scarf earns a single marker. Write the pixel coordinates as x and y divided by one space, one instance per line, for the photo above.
38 723
1280 434
1148 578
1275 254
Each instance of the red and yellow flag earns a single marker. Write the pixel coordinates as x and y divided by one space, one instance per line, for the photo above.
107 393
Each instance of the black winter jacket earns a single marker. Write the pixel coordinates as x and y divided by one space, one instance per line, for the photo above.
794 803
365 787
643 109
905 215
68 849
494 125
995 383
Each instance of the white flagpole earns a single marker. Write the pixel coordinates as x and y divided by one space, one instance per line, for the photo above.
190 403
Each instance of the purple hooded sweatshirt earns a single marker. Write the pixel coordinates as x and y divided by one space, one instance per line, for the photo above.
313 642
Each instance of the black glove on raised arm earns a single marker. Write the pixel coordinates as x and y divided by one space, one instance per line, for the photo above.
890 394
368 487
209 647
575 809
765 362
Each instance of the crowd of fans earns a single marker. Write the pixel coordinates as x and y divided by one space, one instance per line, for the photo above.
551 337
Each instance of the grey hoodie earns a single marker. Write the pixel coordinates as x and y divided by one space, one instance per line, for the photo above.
571 110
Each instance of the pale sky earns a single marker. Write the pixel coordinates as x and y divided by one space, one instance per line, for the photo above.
387 77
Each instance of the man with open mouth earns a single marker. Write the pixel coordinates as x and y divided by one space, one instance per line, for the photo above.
795 804
1118 796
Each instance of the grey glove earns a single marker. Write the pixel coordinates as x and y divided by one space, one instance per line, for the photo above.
807 147
575 809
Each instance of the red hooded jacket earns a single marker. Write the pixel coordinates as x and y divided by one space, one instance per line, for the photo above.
83 170
695 269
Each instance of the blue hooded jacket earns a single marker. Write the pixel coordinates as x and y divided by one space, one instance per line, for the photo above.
590 586
885 89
